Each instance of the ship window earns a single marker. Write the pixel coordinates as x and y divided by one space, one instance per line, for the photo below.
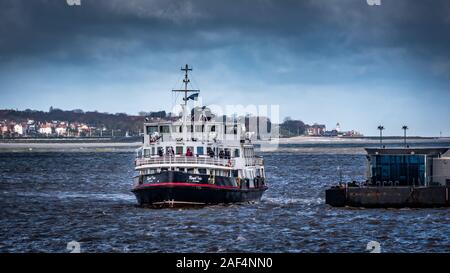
213 128
164 129
179 150
236 153
202 171
406 169
146 152
190 170
200 150
152 129
169 150
160 151
199 128
177 129
227 153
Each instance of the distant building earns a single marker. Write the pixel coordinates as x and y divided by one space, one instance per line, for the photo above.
83 130
18 129
315 129
4 129
61 130
352 133
332 133
45 129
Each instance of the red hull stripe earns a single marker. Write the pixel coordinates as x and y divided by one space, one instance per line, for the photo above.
182 184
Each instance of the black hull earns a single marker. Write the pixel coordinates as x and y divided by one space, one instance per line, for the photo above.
178 195
174 189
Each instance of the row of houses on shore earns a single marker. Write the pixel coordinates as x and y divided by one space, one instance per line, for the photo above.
321 130
31 128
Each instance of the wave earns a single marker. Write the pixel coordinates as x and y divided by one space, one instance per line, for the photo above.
68 195
290 201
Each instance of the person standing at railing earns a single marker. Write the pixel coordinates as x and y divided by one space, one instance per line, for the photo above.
227 154
210 152
188 152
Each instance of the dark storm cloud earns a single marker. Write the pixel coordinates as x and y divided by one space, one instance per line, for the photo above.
310 56
326 27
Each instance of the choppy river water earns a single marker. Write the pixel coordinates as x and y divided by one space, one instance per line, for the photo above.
50 199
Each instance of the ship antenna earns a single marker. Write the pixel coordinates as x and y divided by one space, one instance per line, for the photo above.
186 81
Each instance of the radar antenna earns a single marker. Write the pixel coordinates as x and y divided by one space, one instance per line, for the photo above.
186 81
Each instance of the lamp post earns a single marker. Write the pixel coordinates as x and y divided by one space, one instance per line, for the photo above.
381 128
404 129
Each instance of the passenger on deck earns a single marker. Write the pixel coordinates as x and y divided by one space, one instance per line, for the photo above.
188 152
210 152
170 151
221 154
160 152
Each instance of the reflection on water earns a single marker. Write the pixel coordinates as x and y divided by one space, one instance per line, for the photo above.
50 199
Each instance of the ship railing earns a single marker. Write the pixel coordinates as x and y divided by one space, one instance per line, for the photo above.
204 160
254 161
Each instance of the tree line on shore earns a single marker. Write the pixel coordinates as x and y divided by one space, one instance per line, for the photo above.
119 121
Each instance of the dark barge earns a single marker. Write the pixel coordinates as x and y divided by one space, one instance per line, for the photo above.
397 178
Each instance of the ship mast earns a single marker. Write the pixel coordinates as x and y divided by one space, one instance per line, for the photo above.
186 81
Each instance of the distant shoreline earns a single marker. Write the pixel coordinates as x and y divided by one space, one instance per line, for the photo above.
20 147
131 144
72 140
374 138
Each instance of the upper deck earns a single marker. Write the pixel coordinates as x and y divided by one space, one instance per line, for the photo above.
186 161
212 132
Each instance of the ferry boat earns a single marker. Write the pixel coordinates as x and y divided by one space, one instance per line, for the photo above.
197 160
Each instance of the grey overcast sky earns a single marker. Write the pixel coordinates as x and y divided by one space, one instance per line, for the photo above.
324 61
